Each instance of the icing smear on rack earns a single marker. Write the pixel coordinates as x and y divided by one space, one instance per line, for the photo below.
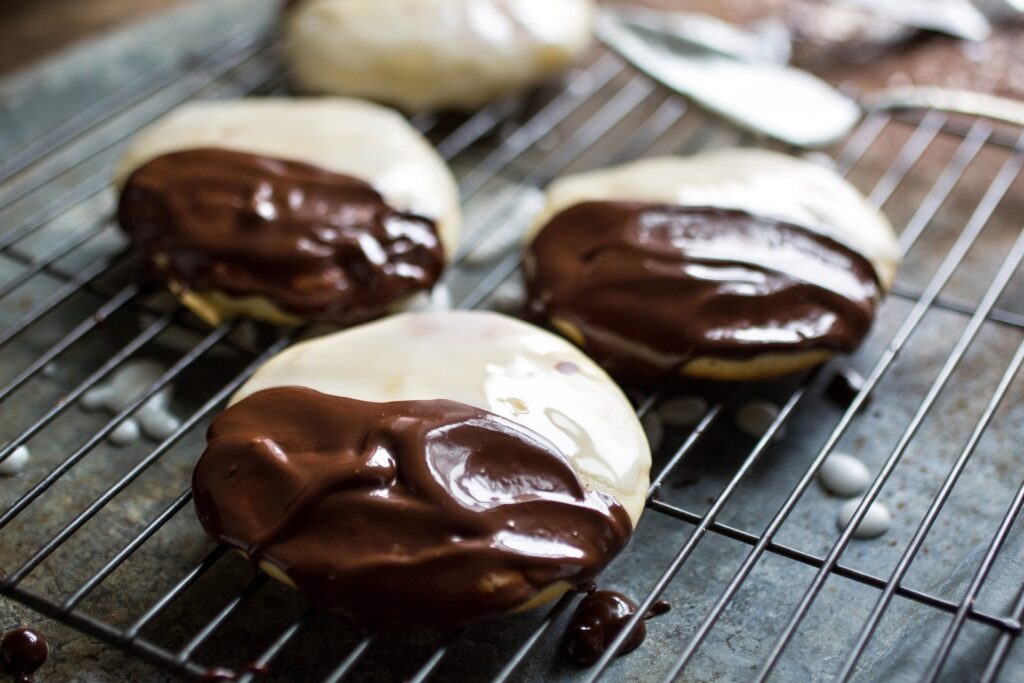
153 419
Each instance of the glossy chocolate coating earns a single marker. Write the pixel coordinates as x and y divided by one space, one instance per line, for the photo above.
24 650
321 245
598 620
654 286
412 512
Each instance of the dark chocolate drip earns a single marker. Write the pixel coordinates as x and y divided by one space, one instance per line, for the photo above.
598 620
24 650
321 245
412 512
844 387
653 286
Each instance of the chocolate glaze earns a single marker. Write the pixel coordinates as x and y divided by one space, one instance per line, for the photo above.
844 387
598 620
653 286
411 512
321 245
24 650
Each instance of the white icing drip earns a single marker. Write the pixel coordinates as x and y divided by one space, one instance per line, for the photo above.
684 411
755 418
876 521
15 462
153 418
844 475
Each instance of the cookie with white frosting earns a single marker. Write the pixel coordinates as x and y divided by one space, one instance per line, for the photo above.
329 210
429 468
735 264
427 54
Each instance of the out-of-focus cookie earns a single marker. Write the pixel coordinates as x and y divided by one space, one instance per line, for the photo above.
735 265
329 210
429 468
427 54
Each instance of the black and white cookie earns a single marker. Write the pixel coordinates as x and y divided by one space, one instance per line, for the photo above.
734 265
328 210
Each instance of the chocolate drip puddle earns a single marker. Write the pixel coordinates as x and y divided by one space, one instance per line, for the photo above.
413 512
321 245
23 650
598 620
666 284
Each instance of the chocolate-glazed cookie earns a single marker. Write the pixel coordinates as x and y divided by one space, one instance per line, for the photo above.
320 245
648 288
329 210
734 265
441 467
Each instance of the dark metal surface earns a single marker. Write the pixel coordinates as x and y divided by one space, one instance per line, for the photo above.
763 584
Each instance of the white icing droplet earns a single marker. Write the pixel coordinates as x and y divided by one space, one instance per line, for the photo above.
756 417
844 475
125 433
127 382
49 371
95 398
509 296
15 462
685 411
654 429
876 521
156 422
152 418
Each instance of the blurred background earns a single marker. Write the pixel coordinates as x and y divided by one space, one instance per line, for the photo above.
845 44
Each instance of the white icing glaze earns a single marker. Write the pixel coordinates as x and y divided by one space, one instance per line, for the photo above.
125 434
757 181
347 136
684 411
489 361
153 418
844 475
876 522
433 53
15 462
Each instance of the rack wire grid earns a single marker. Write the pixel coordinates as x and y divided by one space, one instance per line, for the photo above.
764 584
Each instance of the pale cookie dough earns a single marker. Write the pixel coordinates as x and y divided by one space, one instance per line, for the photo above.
344 136
426 54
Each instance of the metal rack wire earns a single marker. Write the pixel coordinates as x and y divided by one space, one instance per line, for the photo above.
606 113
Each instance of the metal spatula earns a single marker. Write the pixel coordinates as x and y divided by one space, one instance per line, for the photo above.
726 72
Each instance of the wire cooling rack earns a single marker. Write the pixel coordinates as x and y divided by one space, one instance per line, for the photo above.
736 535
